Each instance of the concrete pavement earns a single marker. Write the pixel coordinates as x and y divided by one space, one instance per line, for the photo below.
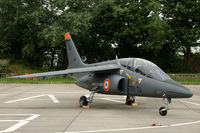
53 108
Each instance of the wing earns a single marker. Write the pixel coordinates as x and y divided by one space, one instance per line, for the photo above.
102 68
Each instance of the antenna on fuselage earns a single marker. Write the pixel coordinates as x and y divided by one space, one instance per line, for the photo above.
117 60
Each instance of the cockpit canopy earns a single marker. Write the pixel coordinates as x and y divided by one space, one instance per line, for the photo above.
146 68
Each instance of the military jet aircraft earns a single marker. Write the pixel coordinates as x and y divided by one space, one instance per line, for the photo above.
127 76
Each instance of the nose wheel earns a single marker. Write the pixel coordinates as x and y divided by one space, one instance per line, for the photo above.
163 109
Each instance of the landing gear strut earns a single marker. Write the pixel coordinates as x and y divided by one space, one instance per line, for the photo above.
130 100
85 100
163 109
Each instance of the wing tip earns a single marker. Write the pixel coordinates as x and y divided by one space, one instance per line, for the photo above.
12 77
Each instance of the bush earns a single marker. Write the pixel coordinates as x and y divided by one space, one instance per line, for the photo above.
3 64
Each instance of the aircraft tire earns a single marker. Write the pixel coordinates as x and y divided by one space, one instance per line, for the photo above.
163 111
129 101
83 101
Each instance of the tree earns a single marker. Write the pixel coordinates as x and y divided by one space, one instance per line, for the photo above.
19 27
134 27
154 30
34 27
183 18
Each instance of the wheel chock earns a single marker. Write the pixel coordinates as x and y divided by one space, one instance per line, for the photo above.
86 107
134 104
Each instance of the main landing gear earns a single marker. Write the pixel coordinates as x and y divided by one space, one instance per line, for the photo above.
163 109
83 102
130 100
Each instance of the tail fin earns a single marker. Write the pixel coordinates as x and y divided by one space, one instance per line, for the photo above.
73 55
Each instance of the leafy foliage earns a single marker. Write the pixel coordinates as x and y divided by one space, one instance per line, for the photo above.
151 29
183 19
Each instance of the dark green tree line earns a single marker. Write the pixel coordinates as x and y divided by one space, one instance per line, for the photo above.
183 19
151 29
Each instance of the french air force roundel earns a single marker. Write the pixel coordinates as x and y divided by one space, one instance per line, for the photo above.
106 84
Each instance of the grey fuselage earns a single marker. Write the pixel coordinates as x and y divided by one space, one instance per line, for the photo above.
129 82
126 76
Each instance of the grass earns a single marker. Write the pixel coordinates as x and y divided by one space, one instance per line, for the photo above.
186 78
49 80
20 66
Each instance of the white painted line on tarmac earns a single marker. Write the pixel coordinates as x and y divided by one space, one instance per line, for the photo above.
10 120
184 101
34 116
184 124
54 99
37 99
17 114
136 128
32 98
111 97
23 99
19 123
117 100
15 127
112 100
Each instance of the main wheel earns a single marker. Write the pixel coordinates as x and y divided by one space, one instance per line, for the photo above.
163 111
83 101
129 100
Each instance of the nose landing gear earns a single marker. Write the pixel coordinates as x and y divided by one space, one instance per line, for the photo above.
163 109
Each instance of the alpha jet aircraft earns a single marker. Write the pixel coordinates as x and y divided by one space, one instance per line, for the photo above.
127 76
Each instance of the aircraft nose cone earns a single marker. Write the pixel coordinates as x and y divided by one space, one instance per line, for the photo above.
186 93
183 92
189 93
179 90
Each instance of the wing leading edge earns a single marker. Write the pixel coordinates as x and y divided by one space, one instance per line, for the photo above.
102 68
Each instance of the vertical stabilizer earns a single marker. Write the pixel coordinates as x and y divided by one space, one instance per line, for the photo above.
72 53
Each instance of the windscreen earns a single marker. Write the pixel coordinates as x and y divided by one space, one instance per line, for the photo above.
148 69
